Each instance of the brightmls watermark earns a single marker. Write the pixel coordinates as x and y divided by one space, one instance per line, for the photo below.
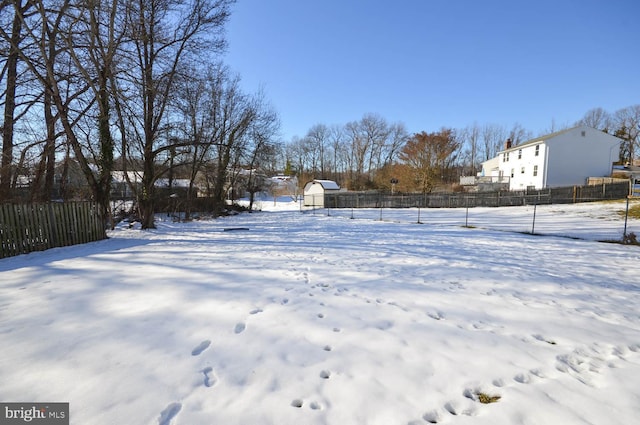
34 413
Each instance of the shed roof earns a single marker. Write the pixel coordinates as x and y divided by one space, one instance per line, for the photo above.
327 184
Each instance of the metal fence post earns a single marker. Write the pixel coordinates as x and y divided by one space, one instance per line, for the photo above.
466 215
626 215
533 226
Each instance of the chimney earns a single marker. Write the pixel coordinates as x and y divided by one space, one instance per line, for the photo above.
508 144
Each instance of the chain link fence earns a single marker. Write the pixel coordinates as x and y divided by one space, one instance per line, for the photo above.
567 212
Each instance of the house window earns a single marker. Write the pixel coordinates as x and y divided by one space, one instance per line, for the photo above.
520 154
522 170
506 157
535 170
537 150
512 172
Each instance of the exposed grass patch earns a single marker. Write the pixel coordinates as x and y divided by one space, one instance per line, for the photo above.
486 398
634 211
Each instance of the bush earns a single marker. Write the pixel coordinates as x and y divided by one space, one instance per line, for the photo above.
630 239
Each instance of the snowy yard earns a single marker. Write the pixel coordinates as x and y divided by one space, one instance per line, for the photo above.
309 318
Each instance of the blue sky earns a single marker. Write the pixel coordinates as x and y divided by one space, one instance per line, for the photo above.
437 63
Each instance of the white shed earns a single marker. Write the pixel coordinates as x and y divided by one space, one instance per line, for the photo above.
315 190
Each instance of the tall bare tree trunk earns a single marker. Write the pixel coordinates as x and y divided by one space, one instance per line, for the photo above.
49 152
9 108
103 189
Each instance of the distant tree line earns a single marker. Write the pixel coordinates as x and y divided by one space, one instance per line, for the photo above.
132 85
372 153
89 88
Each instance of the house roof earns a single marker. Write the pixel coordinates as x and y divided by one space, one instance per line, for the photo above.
543 138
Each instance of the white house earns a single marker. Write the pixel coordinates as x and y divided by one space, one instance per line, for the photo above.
315 190
565 158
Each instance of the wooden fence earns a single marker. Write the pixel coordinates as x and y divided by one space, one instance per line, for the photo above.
26 228
557 195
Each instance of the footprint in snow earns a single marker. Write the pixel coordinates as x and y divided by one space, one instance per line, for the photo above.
436 316
522 378
240 327
579 366
456 408
170 412
256 311
201 347
432 417
539 373
209 377
298 403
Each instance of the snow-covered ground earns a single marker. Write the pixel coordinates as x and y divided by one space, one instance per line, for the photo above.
289 317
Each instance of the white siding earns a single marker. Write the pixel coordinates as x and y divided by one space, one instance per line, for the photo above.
314 192
491 167
574 157
564 159
525 159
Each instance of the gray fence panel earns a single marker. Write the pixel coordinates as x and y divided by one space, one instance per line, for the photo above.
26 228
560 195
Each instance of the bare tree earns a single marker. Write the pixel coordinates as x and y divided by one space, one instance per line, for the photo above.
261 145
397 138
231 115
519 134
339 162
358 147
10 74
366 140
164 34
493 138
48 61
316 142
596 118
555 127
470 139
190 137
93 40
375 130
627 124
69 47
352 153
